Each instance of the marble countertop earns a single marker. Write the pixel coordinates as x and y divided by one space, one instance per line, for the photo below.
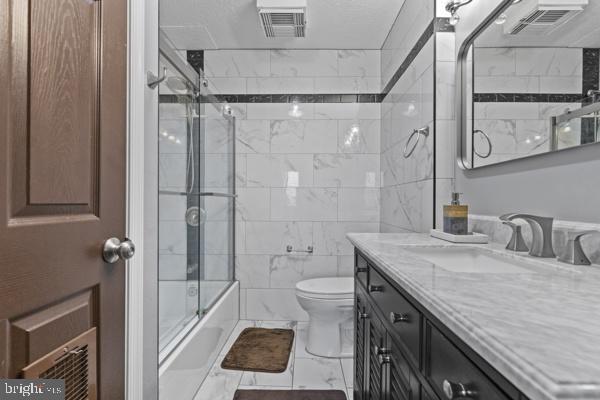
540 328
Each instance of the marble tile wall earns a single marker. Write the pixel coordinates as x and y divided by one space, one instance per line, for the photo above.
292 71
445 122
528 70
407 184
412 20
520 129
306 173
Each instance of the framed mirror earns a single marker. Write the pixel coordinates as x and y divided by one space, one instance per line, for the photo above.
528 81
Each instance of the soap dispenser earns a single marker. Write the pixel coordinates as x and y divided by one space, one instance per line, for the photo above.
456 216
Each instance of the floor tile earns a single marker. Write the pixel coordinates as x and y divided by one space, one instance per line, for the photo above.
265 387
241 325
348 369
304 371
283 379
301 335
277 324
220 384
318 373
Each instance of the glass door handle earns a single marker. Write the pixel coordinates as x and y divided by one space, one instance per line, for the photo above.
217 194
201 194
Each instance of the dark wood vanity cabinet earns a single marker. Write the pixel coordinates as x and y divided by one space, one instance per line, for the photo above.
402 352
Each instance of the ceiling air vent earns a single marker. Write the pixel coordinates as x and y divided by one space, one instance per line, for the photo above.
283 18
535 17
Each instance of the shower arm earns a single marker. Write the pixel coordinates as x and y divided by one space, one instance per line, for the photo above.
454 5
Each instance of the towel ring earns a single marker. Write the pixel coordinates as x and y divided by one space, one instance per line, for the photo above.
489 153
418 132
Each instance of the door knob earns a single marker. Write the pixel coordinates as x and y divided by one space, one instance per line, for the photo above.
115 250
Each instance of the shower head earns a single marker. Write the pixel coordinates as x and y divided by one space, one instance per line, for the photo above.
179 85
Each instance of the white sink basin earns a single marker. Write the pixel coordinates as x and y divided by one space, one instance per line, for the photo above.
470 260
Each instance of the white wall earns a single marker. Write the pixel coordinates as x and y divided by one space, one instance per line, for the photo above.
301 180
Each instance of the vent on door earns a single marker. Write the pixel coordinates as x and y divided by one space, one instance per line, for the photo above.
541 16
283 18
75 362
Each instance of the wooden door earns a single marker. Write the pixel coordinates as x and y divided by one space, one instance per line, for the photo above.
62 190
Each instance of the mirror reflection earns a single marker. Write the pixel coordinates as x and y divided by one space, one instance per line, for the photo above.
532 81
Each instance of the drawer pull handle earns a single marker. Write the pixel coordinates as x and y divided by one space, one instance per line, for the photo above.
384 359
375 288
382 350
361 270
395 318
457 391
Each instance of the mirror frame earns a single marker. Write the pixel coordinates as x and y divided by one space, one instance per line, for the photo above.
461 97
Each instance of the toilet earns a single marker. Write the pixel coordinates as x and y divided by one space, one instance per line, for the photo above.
329 303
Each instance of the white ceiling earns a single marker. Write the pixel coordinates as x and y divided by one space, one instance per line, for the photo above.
234 24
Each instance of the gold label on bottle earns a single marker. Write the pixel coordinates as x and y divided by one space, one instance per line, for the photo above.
456 211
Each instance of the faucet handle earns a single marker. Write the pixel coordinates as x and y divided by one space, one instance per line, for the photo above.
575 236
574 253
516 243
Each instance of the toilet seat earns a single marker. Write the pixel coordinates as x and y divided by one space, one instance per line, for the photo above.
326 288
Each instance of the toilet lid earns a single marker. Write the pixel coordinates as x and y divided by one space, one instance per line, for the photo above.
343 287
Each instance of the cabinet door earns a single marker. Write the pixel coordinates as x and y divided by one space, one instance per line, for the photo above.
377 339
360 345
400 376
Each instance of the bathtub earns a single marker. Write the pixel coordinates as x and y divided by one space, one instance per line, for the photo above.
186 362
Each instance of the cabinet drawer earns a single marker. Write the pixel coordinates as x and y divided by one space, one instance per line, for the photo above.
448 363
361 269
404 319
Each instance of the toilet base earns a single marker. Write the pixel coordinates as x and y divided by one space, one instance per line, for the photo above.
325 339
342 355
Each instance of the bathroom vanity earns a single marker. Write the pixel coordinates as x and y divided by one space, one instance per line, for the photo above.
435 320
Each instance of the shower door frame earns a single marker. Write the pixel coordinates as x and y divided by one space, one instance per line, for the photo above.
141 372
168 53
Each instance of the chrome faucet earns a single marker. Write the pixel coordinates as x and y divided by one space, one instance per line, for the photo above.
541 227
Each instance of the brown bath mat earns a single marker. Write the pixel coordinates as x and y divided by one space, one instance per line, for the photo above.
289 395
260 350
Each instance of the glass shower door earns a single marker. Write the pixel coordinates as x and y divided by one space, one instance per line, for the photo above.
196 200
216 200
178 170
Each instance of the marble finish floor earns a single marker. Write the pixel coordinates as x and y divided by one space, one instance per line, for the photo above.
304 371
